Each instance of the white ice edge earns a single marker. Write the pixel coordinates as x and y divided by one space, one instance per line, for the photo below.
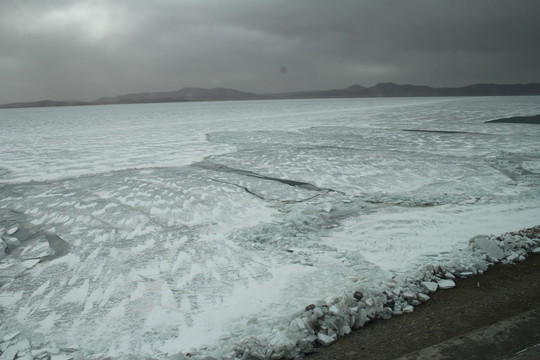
323 321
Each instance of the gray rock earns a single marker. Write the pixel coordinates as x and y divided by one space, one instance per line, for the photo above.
358 295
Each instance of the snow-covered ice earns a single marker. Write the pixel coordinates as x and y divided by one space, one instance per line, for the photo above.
231 228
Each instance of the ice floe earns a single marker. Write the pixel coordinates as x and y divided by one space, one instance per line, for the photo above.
250 230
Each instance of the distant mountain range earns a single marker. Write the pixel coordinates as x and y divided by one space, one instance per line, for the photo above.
354 91
185 94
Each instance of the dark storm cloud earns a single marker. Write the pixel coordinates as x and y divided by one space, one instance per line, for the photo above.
67 49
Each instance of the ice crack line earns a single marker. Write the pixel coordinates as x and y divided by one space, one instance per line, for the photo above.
443 131
241 187
227 169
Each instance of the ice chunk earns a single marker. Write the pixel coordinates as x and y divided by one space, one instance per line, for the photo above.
10 336
408 295
513 257
13 241
446 284
334 310
4 250
326 339
345 329
488 246
12 230
449 275
58 245
318 312
361 318
430 286
16 350
28 264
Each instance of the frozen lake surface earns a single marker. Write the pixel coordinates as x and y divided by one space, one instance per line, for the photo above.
159 229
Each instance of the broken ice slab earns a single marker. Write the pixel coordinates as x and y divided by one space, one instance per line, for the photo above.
4 249
449 275
13 270
59 245
12 230
489 246
35 249
17 349
408 309
10 240
325 339
446 284
430 286
10 336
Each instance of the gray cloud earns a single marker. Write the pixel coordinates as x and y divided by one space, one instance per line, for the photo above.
67 49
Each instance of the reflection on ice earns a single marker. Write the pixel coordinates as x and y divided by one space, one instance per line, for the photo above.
219 227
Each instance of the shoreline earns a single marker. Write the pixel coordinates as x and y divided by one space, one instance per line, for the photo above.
502 292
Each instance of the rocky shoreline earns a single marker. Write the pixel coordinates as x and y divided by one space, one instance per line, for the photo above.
322 323
503 292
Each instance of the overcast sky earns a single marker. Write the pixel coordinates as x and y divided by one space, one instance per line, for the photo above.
86 49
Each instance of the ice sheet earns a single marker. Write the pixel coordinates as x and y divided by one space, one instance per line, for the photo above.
201 227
